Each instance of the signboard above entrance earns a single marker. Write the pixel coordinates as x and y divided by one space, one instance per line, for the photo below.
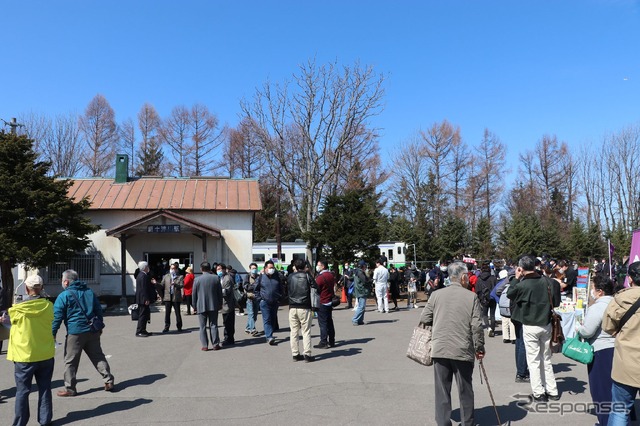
163 229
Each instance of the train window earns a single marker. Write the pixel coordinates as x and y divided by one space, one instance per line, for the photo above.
399 250
282 257
258 257
302 256
390 254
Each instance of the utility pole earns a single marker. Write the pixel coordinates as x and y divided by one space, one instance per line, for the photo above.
13 124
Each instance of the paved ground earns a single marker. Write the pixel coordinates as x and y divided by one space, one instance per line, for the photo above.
365 379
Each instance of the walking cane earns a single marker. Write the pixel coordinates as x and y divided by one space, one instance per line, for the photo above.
484 373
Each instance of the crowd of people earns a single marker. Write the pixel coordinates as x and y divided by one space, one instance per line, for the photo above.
461 302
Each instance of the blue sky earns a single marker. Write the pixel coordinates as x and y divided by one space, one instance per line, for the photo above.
522 69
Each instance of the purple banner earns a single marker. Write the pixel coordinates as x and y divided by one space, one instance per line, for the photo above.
634 255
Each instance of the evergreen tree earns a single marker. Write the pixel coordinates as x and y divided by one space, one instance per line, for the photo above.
482 244
452 238
578 244
348 224
522 234
39 224
150 158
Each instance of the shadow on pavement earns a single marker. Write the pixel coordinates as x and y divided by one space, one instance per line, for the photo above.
337 353
138 381
380 321
487 415
571 385
354 341
112 407
563 367
55 384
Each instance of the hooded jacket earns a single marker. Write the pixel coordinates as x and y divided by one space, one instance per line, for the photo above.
67 309
30 337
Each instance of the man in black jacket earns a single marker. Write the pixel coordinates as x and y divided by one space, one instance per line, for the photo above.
300 316
484 286
145 296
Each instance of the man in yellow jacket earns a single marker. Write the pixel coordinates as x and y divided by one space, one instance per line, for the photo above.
31 348
626 354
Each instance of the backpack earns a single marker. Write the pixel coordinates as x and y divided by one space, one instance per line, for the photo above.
505 303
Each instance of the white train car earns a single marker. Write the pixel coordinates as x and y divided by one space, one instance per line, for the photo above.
395 252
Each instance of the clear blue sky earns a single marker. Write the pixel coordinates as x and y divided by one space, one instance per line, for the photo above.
522 69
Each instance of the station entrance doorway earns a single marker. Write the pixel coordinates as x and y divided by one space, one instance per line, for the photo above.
159 262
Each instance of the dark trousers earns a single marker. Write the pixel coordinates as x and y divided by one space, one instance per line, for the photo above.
229 322
522 368
443 370
489 315
24 372
325 320
167 314
188 300
600 380
144 316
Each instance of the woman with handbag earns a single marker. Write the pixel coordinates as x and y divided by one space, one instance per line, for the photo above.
599 369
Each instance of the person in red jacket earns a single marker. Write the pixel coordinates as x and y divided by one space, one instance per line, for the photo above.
325 281
188 289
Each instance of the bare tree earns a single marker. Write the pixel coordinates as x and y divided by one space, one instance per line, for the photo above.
63 145
241 152
127 133
308 127
36 127
98 125
175 132
491 154
204 139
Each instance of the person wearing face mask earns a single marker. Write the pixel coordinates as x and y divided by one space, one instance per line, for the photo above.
228 305
268 291
325 281
253 304
599 369
172 284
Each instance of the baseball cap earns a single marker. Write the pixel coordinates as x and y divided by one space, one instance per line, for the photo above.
34 281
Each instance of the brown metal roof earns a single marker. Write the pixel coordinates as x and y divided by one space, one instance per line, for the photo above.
169 193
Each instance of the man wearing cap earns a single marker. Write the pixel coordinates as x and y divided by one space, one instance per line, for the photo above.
360 292
31 348
622 320
75 305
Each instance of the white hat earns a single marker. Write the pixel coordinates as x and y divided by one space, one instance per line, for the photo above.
34 281
503 274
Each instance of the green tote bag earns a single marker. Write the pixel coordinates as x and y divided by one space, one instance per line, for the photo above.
578 350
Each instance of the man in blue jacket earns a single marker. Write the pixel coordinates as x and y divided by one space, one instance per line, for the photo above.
75 305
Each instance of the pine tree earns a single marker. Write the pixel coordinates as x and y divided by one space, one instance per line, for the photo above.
150 158
39 224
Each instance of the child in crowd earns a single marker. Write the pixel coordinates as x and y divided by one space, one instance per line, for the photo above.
412 291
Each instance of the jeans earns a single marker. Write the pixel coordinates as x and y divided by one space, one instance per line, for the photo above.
167 315
536 343
252 314
269 315
358 317
208 322
24 373
600 382
622 394
489 315
89 343
325 320
411 298
522 369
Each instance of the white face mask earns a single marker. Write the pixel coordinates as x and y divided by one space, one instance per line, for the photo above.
318 268
444 268
593 294
270 271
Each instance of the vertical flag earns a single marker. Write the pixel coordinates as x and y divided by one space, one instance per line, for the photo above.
611 250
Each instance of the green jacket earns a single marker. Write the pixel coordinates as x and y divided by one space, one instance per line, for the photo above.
531 298
360 288
30 338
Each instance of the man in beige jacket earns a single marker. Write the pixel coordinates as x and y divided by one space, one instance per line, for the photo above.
626 355
457 337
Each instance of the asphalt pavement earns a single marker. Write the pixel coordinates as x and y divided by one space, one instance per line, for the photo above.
365 379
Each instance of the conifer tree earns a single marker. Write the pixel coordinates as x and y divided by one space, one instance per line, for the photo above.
39 224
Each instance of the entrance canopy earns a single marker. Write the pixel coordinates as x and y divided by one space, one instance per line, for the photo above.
163 221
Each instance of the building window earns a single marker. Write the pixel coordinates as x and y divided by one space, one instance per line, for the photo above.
85 264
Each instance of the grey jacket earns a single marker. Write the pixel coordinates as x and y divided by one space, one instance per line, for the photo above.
228 298
207 293
177 283
454 312
592 328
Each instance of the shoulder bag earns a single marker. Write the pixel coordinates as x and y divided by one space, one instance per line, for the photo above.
557 335
632 310
95 323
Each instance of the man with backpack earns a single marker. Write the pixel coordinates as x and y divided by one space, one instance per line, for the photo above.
485 284
499 294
